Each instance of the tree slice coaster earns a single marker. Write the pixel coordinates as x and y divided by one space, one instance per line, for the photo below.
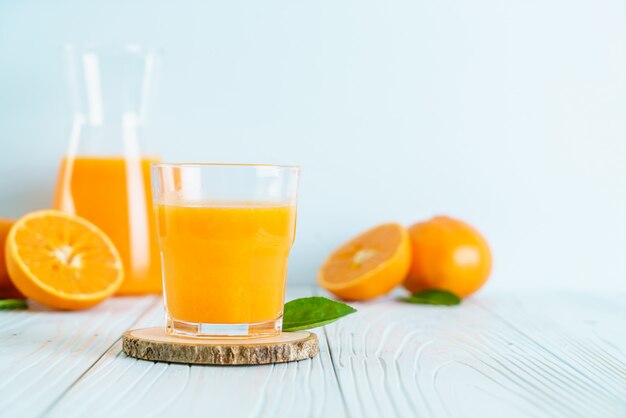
156 345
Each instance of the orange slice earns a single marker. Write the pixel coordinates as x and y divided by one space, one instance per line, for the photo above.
62 261
369 265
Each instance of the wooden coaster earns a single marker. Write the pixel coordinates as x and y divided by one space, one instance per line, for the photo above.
155 345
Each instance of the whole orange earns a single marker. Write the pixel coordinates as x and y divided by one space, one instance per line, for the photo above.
448 254
7 289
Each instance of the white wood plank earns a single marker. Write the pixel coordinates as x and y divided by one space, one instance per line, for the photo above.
543 355
578 342
43 352
539 355
121 386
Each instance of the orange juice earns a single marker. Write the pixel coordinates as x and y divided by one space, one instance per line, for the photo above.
225 263
114 193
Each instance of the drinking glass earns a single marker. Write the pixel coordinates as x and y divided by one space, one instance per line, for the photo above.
225 232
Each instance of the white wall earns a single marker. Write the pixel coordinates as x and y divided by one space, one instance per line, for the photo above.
510 114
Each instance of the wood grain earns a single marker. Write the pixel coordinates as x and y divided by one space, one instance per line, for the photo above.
155 345
118 385
540 355
533 354
43 352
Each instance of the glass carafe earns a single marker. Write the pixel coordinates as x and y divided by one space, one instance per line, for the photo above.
105 174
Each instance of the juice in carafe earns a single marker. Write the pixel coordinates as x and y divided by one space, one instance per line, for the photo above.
114 193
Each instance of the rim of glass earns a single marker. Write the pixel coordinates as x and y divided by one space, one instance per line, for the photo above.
226 165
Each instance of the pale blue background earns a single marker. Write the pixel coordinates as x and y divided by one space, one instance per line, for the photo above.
510 114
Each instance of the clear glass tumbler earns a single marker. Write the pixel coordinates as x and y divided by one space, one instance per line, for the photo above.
225 232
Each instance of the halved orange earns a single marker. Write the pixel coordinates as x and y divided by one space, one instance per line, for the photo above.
369 265
62 261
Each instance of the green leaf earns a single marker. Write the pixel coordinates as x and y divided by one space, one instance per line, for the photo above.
433 297
13 304
313 312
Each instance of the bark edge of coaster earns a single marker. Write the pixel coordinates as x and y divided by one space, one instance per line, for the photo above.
154 344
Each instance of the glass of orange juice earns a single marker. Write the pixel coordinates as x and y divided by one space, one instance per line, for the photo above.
225 232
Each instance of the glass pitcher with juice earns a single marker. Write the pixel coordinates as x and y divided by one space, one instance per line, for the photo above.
105 174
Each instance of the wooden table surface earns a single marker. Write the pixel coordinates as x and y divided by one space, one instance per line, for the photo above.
531 354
